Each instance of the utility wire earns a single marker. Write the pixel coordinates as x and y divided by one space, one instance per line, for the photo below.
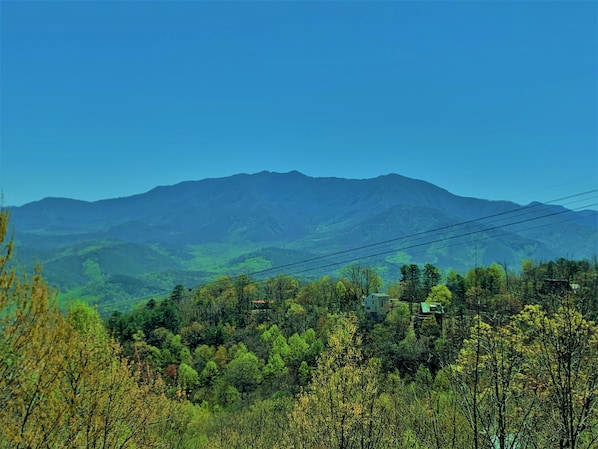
480 221
452 245
419 236
428 242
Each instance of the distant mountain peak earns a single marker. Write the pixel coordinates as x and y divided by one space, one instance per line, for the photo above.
398 218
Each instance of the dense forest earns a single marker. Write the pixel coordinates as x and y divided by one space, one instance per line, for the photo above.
493 358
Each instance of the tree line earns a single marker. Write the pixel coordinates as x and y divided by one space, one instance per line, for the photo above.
285 363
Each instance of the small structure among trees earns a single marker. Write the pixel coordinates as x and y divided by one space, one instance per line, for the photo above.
260 305
555 287
379 303
429 309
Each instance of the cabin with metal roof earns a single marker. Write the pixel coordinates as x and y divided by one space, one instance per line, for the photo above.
431 308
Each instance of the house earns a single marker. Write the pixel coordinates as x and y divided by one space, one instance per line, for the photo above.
558 287
378 303
430 308
260 305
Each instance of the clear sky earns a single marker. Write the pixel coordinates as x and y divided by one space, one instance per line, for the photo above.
490 99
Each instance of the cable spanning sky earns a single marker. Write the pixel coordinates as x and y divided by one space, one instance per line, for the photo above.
530 217
488 99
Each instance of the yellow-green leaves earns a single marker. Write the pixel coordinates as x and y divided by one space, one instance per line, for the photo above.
339 407
63 381
532 379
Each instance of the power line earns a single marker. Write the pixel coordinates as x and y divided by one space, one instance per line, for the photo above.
435 236
428 242
478 220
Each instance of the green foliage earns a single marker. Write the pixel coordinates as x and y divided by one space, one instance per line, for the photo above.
92 269
210 374
511 362
242 360
533 378
243 372
440 293
63 381
187 378
298 350
275 367
339 407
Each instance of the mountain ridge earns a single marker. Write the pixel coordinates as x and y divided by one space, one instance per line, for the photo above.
293 214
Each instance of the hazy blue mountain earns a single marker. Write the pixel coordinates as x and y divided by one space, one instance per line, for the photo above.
246 223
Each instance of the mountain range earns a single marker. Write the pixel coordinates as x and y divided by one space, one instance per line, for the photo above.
115 251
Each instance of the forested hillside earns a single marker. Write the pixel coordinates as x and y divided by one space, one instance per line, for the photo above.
113 252
480 358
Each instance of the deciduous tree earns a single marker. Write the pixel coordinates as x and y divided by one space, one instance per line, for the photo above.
340 407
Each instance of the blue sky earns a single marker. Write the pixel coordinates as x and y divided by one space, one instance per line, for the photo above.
490 99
